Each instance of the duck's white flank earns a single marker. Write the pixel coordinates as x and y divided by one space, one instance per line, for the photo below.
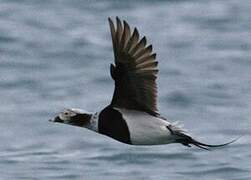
146 129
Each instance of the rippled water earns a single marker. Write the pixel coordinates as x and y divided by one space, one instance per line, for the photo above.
56 54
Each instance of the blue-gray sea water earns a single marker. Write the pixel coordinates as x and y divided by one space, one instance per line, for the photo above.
56 54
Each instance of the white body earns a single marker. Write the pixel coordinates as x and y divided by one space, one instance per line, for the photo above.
146 129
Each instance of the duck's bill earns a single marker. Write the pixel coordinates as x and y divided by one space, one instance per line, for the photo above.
56 119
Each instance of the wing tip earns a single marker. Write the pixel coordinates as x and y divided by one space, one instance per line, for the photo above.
110 20
110 23
144 40
125 24
150 47
118 21
154 55
136 32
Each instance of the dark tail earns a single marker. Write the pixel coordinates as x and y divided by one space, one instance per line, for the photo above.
188 141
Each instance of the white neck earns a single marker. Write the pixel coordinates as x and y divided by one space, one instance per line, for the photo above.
93 125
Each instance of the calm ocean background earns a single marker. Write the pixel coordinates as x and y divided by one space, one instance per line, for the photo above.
56 54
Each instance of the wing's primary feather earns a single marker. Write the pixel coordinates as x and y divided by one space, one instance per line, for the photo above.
135 70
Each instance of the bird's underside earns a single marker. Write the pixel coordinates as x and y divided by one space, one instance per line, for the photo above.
131 128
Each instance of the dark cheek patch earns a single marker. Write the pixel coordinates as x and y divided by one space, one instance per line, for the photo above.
80 120
58 120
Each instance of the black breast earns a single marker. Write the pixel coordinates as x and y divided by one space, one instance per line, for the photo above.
112 124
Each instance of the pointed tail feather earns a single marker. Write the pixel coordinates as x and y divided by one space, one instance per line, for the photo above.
186 140
207 146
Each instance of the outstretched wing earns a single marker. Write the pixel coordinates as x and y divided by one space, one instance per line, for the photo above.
135 70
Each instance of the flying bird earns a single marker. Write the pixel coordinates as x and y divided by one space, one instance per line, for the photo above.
132 117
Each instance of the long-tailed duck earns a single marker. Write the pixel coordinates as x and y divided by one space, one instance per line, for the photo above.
132 116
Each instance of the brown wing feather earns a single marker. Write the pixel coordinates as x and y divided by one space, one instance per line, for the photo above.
135 70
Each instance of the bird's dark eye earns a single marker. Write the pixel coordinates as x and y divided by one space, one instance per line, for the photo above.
66 113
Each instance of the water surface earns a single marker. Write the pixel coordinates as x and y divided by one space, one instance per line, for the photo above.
56 54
